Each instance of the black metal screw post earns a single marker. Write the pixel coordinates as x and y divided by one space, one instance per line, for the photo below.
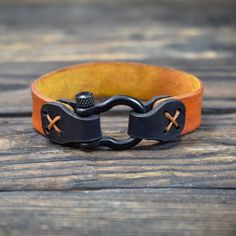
84 100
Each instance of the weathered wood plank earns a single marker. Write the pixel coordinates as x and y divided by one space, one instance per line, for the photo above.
153 31
26 53
203 159
166 33
171 179
171 199
119 212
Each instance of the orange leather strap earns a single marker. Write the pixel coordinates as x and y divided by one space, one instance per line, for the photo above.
111 78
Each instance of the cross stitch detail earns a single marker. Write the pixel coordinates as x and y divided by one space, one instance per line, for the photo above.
52 123
172 120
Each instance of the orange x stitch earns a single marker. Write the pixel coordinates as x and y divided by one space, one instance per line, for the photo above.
52 123
172 120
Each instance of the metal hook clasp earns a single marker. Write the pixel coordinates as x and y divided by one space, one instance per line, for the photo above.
161 118
85 107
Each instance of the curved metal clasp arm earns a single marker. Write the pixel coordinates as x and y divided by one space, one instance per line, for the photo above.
136 105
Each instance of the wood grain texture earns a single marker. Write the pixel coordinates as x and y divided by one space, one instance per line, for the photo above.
36 37
119 212
185 187
203 159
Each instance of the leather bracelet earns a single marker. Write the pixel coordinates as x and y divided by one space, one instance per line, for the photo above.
64 109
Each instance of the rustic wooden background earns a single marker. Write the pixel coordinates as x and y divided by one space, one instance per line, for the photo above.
184 188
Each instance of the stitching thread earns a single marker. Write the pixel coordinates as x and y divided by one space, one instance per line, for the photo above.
172 120
52 123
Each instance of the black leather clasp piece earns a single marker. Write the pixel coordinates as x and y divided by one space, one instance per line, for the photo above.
73 128
163 123
161 118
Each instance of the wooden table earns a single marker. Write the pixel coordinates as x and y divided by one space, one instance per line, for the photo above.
180 188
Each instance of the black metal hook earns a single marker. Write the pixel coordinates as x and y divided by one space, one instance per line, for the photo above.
85 106
136 105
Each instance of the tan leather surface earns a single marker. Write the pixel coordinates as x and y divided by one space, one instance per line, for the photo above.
112 78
